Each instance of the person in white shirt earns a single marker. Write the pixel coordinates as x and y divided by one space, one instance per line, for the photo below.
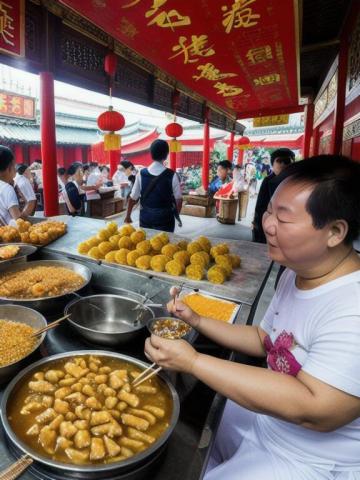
94 180
298 419
159 191
9 204
23 183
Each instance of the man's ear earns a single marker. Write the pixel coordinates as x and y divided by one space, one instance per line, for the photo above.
337 232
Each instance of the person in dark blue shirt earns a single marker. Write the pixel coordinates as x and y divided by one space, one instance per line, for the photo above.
222 176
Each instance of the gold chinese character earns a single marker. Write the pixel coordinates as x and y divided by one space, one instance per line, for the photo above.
240 15
210 72
227 90
127 28
266 79
6 24
169 19
259 54
197 48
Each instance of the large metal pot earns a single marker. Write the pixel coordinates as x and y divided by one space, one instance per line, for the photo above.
88 472
108 319
16 313
47 304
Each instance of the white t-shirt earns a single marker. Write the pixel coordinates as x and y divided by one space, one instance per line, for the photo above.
8 199
156 168
119 177
93 178
25 187
325 323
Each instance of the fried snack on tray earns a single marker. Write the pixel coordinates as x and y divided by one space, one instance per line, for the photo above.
39 281
9 252
80 423
210 307
15 341
195 272
216 274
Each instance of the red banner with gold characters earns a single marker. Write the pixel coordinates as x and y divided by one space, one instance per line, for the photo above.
12 27
240 54
18 106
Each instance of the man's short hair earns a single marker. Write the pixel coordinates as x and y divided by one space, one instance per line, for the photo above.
94 164
159 150
285 155
61 171
225 164
73 168
6 157
21 168
126 164
336 193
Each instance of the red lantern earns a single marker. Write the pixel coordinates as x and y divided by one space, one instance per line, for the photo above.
243 143
110 64
111 121
174 130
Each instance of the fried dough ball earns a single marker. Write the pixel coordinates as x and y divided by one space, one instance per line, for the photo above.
169 249
114 240
83 248
235 260
94 252
216 274
132 257
110 257
43 238
194 247
34 238
175 268
198 259
205 243
224 261
144 247
125 242
105 247
164 237
158 262
195 272
121 256
156 244
126 230
182 257
219 249
143 262
112 228
103 234
93 241
138 236
25 237
183 244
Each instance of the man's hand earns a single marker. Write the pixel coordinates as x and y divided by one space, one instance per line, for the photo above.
127 219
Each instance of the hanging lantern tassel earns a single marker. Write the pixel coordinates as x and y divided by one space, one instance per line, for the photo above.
112 141
175 146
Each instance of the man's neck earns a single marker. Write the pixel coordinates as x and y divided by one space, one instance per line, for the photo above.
4 178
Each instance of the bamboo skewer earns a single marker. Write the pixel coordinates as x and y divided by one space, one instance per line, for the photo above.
16 469
49 327
136 383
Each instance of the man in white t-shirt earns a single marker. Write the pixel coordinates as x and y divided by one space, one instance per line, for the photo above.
94 180
23 183
299 419
9 204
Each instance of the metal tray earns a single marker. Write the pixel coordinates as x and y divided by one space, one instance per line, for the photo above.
25 250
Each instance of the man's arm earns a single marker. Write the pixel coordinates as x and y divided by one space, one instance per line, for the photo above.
133 198
29 209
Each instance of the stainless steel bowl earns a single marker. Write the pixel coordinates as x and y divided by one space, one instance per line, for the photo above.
108 319
88 472
46 304
150 326
20 314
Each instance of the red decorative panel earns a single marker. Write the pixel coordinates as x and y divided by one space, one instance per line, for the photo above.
12 27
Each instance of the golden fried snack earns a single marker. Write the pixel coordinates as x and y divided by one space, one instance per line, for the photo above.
114 240
143 262
121 256
83 247
235 260
126 230
156 243
105 247
169 249
104 234
144 247
138 236
8 252
132 257
164 237
216 274
183 244
219 249
175 268
112 228
25 237
125 242
205 243
198 259
195 272
110 257
158 263
93 241
182 257
224 262
94 252
193 247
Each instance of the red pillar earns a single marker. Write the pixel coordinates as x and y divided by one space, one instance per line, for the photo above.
338 125
48 144
19 154
308 130
114 156
316 141
206 156
173 161
241 156
231 147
